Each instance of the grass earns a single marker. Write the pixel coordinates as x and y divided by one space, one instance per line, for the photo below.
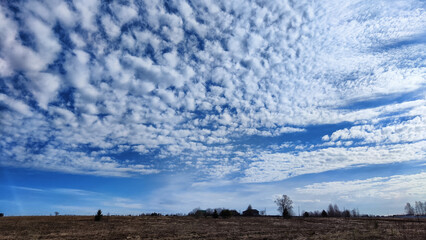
174 227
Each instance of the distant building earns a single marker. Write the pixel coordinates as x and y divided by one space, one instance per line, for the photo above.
250 212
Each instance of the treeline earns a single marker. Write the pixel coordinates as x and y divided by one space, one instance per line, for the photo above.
333 211
225 213
285 207
419 209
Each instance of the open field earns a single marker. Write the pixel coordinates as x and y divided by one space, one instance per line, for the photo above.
172 227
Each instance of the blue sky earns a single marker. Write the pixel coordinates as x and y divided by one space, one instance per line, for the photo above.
141 106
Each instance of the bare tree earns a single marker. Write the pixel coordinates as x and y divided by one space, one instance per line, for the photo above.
355 213
330 211
285 205
420 208
346 213
424 208
409 210
337 212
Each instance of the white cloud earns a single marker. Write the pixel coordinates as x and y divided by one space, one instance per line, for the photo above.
209 75
77 40
188 15
124 13
28 189
5 68
393 187
15 104
171 58
47 45
72 191
79 75
62 11
110 27
167 96
406 131
44 87
123 203
19 57
63 116
147 37
51 11
128 41
87 10
279 166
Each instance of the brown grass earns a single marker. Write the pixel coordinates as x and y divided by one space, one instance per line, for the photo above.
147 227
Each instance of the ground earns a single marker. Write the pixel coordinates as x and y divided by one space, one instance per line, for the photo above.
177 227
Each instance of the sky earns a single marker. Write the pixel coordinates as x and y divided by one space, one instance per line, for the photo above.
166 106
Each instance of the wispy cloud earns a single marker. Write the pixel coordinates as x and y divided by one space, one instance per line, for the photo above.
279 166
85 201
393 187
124 203
71 191
27 188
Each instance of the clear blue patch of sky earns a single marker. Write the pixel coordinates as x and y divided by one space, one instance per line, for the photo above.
136 157
111 185
33 192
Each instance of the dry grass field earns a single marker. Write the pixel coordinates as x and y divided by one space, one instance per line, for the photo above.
172 227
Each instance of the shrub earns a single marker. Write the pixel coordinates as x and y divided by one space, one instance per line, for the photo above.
1 214
225 213
200 213
234 213
305 214
324 213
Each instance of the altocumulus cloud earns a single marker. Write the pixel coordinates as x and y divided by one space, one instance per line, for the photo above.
87 85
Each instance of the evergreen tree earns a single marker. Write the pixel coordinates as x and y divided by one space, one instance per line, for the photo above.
215 214
98 215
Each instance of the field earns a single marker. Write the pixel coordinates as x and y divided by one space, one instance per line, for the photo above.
174 227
